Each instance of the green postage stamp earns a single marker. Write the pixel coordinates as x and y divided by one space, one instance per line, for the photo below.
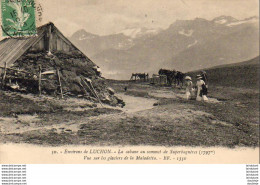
18 18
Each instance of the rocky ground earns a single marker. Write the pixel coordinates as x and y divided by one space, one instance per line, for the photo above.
153 115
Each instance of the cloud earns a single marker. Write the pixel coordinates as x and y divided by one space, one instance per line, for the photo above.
110 16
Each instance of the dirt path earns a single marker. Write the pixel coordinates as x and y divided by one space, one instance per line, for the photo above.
26 123
136 104
167 93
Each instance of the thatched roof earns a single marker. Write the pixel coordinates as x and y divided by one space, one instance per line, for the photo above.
12 49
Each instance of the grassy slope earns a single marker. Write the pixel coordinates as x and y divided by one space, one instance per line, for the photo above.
241 75
238 86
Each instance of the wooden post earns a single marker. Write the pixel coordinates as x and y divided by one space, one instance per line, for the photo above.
40 80
86 84
91 90
96 93
58 74
81 85
49 38
3 79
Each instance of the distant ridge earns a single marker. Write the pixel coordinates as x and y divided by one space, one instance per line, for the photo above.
240 75
254 61
186 45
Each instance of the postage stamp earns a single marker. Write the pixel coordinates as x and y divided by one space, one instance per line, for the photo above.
18 18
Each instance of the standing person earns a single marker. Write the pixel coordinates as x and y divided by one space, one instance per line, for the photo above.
189 89
201 89
204 76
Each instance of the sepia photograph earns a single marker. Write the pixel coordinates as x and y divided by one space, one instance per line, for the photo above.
145 76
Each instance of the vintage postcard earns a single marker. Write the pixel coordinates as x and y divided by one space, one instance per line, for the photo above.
140 81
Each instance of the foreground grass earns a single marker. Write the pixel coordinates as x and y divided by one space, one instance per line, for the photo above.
150 128
174 122
13 104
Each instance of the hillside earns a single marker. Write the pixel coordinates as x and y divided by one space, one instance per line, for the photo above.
243 74
236 46
92 44
185 45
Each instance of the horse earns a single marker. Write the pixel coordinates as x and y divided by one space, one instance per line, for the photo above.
170 74
179 77
141 76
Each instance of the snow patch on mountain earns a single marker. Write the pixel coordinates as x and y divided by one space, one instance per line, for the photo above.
187 33
192 44
84 37
222 21
252 20
139 32
131 32
125 45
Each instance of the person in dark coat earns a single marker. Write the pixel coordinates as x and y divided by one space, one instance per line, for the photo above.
204 76
201 89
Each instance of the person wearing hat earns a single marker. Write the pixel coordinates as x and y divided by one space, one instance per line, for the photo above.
189 89
204 76
201 89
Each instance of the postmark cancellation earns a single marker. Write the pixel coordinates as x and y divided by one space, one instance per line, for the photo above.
18 18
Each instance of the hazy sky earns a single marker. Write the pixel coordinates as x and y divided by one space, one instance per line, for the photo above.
110 16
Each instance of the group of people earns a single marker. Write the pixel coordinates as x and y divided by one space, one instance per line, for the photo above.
200 90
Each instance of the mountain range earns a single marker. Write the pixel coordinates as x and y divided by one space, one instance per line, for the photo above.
185 45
